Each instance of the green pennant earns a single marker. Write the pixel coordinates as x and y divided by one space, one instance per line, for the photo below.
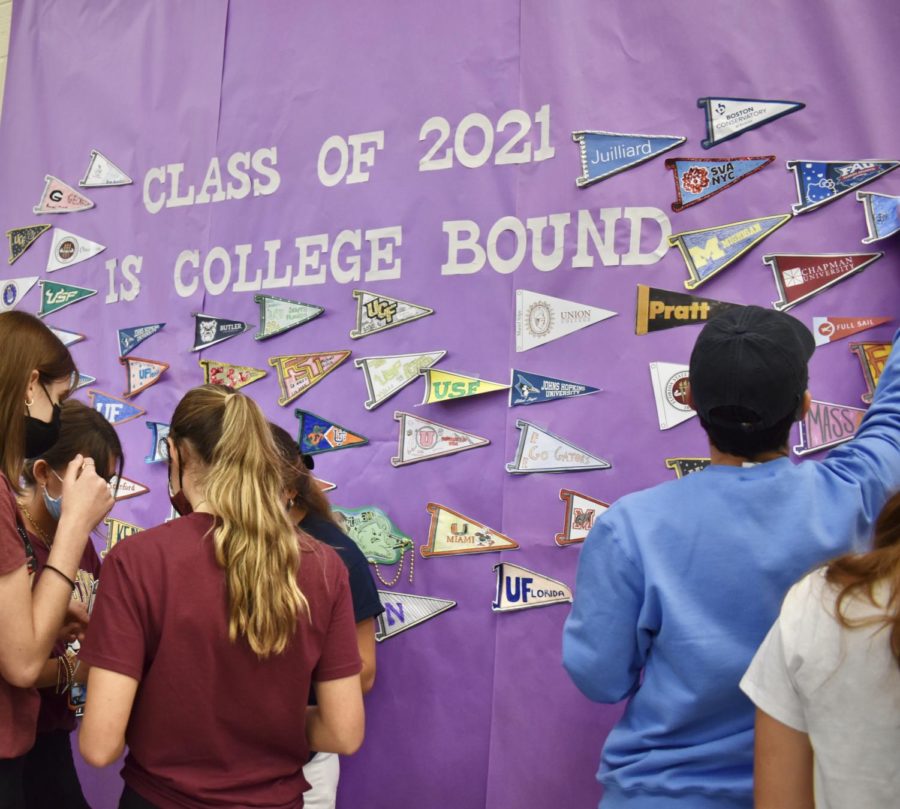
278 315
56 296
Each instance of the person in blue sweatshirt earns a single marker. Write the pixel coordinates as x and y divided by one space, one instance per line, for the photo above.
678 585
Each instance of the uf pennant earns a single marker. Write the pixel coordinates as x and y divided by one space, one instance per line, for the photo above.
659 309
68 249
422 439
209 330
124 488
102 172
699 178
55 296
67 338
526 388
519 588
670 390
297 373
453 534
20 239
133 336
831 329
318 435
604 154
541 451
444 386
726 118
827 425
799 277
116 531
882 215
682 467
386 376
581 513
872 358
232 376
542 318
380 541
278 315
141 373
159 449
403 611
59 197
115 410
822 181
13 290
376 313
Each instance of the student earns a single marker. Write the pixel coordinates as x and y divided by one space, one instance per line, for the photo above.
826 684
678 585
209 630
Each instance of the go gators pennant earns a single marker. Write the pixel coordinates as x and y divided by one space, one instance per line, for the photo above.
540 450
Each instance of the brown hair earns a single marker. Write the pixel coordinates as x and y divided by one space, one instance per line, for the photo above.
309 496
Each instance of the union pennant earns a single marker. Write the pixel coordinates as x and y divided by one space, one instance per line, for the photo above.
403 611
141 373
827 425
699 178
116 531
542 318
526 388
278 315
59 197
659 309
20 239
209 330
682 467
519 588
124 488
56 296
872 358
452 534
68 249
386 376
581 513
13 290
232 376
822 181
444 386
102 172
726 118
376 313
422 439
800 276
670 390
318 435
830 329
882 215
115 410
159 449
297 373
541 451
604 154
133 336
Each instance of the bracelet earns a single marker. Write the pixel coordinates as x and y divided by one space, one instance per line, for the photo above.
60 573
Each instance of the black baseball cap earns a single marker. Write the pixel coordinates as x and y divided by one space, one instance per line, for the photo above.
749 368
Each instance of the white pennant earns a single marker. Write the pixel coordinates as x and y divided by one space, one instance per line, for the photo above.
542 451
520 589
422 439
542 318
12 291
125 488
102 172
68 249
388 375
670 385
581 514
403 611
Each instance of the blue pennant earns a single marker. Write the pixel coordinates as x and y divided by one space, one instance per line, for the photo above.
84 380
604 154
819 182
526 389
159 450
132 337
697 178
882 215
114 410
319 435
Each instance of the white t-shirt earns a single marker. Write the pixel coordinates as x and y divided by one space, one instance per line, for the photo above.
839 685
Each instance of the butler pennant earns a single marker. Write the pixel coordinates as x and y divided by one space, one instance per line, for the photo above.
20 239
726 118
699 178
822 181
581 513
659 309
454 534
827 425
799 277
604 154
403 611
830 329
209 330
872 357
527 388
882 215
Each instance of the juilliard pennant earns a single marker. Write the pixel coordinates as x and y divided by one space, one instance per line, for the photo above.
527 388
386 376
670 389
13 290
827 425
830 329
278 315
56 296
708 251
232 376
520 589
376 313
112 408
682 467
116 531
102 172
822 181
83 381
453 534
542 318
581 513
67 338
20 239
541 451
872 357
159 448
124 488
659 309
68 249
133 336
59 197
319 435
141 373
882 215
444 386
422 439
800 276
297 373
209 330
699 178
374 532
403 611
726 118
604 154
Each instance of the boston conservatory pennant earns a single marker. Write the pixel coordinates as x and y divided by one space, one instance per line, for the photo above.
726 118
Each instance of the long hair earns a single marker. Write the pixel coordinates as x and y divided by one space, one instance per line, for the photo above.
28 345
858 574
255 543
308 494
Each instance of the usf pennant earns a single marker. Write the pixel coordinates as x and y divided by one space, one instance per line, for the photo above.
872 358
659 309
422 439
541 451
13 290
581 512
453 534
376 313
278 315
67 338
115 410
380 541
403 611
882 215
56 296
799 277
542 318
526 388
159 449
827 425
209 330
141 373
519 588
682 467
699 178
20 239
831 329
319 435
124 488
102 172
726 118
299 372
604 154
232 376
822 181
68 249
116 531
386 376
670 390
133 336
444 386
59 197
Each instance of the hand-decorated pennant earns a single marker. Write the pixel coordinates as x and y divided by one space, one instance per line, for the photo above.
581 512
297 373
83 381
209 330
116 531
112 408
659 309
376 313
831 329
682 467
726 118
827 425
132 337
526 388
882 215
542 451
452 534
159 449
55 296
708 251
325 485
403 611
800 276
374 532
141 373
822 181
542 318
59 197
103 172
319 435
422 439
20 239
232 376
872 357
386 376
125 488
670 389
14 290
278 315
68 249
604 154
67 338
699 178
443 386
520 589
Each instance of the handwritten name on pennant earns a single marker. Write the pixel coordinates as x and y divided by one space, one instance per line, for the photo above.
827 425
278 315
124 488
59 197
539 450
387 376
882 215
102 172
403 611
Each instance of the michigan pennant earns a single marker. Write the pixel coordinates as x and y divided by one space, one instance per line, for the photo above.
84 380
403 611
882 215
159 449
827 425
380 541
299 372
102 172
232 376
56 296
318 435
141 373
542 318
278 315
452 534
542 451
67 338
604 154
682 467
872 357
115 410
59 197
520 589
726 118
124 488
422 439
116 531
209 330
13 290
830 329
581 513
386 376
822 181
376 313
132 337
699 178
659 309
799 277
526 388
68 249
20 239
670 389
443 386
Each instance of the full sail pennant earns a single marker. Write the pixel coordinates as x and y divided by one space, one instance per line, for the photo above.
822 181
581 513
59 197
159 449
542 318
386 376
141 373
726 118
299 372
232 376
682 467
102 172
800 276
278 315
527 388
68 249
827 425
125 488
830 329
422 439
872 358
453 534
319 435
13 290
699 178
444 386
659 309
376 313
403 611
20 239
115 410
882 215
210 330
604 154
133 336
56 296
540 450
670 390
519 588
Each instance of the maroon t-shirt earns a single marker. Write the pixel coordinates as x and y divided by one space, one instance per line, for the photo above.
212 724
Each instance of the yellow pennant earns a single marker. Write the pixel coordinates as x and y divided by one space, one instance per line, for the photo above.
442 386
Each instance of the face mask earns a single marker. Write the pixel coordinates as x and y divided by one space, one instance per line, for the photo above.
179 499
40 436
53 504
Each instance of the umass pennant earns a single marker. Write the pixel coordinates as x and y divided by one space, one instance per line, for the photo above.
827 425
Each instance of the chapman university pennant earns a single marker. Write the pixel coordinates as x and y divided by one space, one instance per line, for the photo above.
670 390
882 215
67 338
520 589
116 531
376 313
541 451
380 541
659 309
68 249
822 181
20 239
84 381
800 276
581 512
827 425
699 178
542 318
13 290
59 197
726 118
386 376
682 467
132 337
527 389
297 373
604 154
141 373
422 439
831 329
444 386
278 315
125 488
103 172
453 534
209 330
232 376
708 251
403 611
56 296
318 435
159 449
872 357
115 410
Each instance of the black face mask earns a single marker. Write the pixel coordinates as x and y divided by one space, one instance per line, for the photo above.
179 499
40 436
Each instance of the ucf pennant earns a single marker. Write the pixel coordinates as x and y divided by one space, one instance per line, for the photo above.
20 239
68 249
800 276
452 534
830 329
659 309
827 425
13 290
581 512
882 215
231 376
520 589
386 376
299 372
822 181
541 451
376 313
670 390
403 611
102 172
59 197
699 178
872 358
726 118
278 315
421 439
116 531
682 467
604 154
140 374
319 435
116 411
542 318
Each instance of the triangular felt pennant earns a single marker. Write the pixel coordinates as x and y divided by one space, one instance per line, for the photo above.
604 154
116 531
125 488
324 485
55 296
444 386
103 172
827 425
452 534
278 315
84 381
209 330
831 329
822 181
141 373
112 408
67 338
882 215
526 388
699 178
374 532
297 373
670 390
59 197
319 435
133 336
682 467
659 309
232 376
726 118
422 439
541 451
68 249
159 449
581 512
799 277
13 290
386 376
872 357
519 588
20 239
403 611
542 318
376 313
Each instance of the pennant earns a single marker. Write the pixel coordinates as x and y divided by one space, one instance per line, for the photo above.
68 249
84 381
403 611
708 251
541 451
20 239
526 389
318 435
114 410
682 467
297 373
822 181
542 318
520 589
232 376
14 290
827 425
699 178
116 531
726 118
278 315
872 357
324 485
386 376
882 215
103 172
67 338
670 388
830 329
604 154
132 337
581 512
452 534
444 386
59 197
209 330
55 296
422 439
659 309
800 276
376 313
125 488
375 533
141 373
159 449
